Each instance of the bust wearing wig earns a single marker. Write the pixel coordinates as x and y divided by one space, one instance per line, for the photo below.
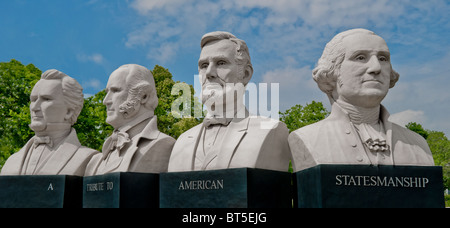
356 73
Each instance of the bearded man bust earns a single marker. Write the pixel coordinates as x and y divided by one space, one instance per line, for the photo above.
229 136
136 144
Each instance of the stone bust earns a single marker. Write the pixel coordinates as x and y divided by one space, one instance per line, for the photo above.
56 102
355 72
229 136
136 144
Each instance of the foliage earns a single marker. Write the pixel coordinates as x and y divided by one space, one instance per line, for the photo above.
16 83
169 122
418 129
299 116
92 130
440 148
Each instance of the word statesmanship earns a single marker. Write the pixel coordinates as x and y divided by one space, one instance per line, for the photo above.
377 181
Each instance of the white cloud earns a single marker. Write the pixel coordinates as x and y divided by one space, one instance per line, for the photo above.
144 6
95 58
407 116
93 83
296 86
286 37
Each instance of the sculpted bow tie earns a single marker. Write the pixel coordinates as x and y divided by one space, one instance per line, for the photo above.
116 141
208 121
42 140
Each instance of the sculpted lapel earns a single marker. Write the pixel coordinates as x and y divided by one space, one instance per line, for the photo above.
235 132
61 156
191 143
15 164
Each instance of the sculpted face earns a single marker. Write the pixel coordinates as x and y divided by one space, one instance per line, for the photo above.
217 66
48 105
116 95
365 72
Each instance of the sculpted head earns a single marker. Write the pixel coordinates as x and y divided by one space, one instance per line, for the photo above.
224 59
56 99
130 92
355 66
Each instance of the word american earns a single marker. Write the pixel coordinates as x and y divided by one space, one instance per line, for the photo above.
201 185
379 181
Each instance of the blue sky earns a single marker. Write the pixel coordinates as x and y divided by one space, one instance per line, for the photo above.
89 39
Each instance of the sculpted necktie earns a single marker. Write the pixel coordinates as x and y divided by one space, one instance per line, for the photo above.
116 141
42 140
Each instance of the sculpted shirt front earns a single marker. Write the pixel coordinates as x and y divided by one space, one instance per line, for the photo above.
335 140
70 158
147 152
244 142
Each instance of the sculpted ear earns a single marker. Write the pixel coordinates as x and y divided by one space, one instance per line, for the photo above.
69 114
248 73
144 98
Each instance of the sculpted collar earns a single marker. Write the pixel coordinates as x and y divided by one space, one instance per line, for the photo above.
360 115
135 122
368 123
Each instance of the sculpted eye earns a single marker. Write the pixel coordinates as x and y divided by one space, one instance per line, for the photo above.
46 98
114 90
221 63
204 65
360 58
383 58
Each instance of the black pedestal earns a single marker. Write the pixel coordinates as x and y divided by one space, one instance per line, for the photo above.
46 191
228 188
121 190
364 186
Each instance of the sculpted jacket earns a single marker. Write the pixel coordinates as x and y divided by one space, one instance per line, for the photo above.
245 144
335 140
149 152
69 159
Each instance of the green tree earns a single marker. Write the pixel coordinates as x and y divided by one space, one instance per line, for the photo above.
417 128
91 126
169 122
16 83
440 148
299 116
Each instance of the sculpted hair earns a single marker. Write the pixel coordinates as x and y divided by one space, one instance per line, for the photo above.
242 52
328 67
139 81
72 91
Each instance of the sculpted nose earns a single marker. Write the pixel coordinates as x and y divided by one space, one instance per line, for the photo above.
374 66
35 106
211 72
107 99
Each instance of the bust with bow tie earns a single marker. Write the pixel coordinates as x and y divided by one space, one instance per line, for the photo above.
136 145
56 102
355 72
229 136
